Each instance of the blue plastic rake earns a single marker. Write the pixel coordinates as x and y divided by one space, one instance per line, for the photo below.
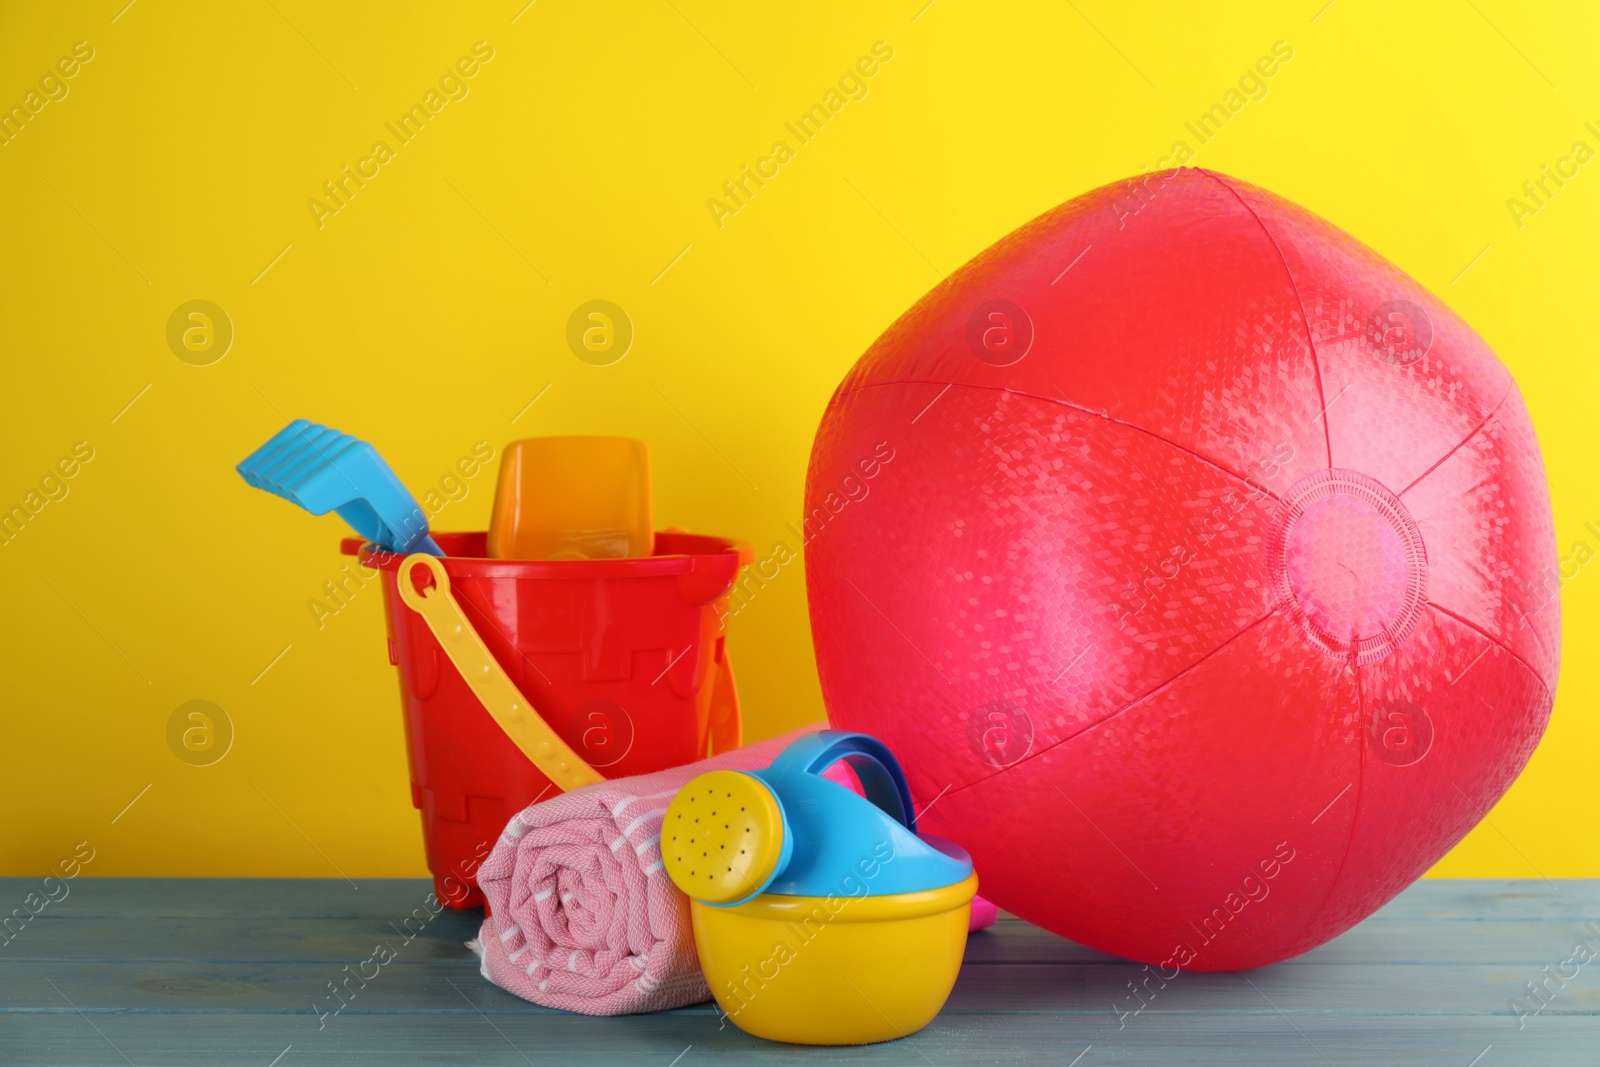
323 470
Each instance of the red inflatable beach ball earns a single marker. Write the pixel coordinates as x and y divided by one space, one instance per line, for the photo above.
1197 564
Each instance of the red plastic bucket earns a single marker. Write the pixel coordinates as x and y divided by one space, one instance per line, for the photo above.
623 658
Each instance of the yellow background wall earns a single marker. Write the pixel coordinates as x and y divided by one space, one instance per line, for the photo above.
429 311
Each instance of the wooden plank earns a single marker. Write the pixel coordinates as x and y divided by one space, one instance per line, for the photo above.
230 898
228 971
455 986
1398 941
443 936
1530 899
659 1040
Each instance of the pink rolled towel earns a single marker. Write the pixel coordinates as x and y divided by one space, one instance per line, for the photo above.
581 915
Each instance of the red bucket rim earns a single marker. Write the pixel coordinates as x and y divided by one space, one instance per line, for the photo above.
685 553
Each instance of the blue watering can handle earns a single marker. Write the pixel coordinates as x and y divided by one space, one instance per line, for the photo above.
875 766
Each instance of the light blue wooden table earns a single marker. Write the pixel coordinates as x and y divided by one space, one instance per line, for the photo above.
216 972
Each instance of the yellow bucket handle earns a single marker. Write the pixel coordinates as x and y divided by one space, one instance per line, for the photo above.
505 703
483 674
